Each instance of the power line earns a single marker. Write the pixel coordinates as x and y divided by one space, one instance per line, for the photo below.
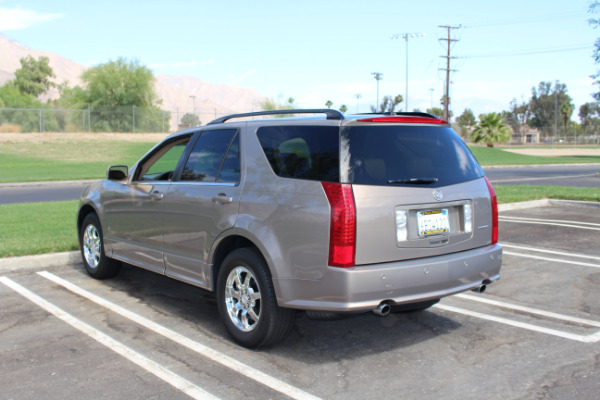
533 52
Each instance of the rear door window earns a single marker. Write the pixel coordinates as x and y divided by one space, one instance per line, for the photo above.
302 152
406 156
215 157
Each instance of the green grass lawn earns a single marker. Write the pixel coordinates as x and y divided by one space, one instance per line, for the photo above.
73 160
516 193
496 156
38 228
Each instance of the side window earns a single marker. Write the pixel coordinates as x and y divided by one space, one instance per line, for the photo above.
161 165
302 152
213 151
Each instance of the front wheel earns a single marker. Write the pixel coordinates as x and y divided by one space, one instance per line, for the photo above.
247 302
91 241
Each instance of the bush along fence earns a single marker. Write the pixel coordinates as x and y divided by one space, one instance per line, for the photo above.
129 119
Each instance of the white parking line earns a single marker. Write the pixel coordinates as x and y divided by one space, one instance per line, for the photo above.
199 348
547 222
566 335
154 368
510 253
530 310
540 250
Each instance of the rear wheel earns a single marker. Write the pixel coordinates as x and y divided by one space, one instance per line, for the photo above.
247 303
91 241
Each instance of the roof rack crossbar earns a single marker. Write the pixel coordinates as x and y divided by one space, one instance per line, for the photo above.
329 113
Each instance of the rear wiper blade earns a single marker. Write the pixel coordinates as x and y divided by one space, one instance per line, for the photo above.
414 181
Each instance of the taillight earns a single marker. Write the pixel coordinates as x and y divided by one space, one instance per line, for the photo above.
405 120
494 201
342 231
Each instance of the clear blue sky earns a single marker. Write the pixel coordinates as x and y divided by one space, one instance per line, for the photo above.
324 50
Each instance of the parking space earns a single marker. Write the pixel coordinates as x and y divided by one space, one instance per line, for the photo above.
533 334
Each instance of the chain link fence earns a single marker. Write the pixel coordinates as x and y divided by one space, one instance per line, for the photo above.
128 119
133 119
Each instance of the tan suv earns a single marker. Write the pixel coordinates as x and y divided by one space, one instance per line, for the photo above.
326 214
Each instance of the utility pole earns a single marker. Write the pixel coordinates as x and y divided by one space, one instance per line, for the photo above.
405 36
447 57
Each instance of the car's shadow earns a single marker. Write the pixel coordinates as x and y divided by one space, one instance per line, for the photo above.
311 341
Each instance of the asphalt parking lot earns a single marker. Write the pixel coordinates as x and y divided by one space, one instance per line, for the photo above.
533 334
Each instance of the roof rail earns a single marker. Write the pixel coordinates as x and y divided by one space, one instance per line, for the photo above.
408 114
331 114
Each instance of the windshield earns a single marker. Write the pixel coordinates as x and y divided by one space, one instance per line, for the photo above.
401 155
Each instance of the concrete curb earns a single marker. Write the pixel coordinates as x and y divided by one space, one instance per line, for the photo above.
74 257
39 261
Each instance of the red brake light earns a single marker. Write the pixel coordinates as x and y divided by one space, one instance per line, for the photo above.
342 233
494 201
405 120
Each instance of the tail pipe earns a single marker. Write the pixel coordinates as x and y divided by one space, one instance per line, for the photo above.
481 288
382 309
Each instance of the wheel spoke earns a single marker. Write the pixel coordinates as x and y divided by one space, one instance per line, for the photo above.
242 298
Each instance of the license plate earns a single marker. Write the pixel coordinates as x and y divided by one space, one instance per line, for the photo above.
433 222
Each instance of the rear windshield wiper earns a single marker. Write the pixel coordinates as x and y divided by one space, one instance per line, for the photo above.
414 181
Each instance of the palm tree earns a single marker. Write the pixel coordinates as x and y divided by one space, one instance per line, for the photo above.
328 103
491 129
566 110
343 109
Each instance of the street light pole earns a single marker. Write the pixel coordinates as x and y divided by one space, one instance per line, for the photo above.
358 96
405 36
378 76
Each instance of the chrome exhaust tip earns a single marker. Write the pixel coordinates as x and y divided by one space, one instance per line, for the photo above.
382 309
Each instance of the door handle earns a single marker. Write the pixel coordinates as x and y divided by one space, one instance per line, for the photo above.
156 195
222 198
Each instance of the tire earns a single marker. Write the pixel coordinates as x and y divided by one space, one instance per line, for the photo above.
420 306
247 302
91 242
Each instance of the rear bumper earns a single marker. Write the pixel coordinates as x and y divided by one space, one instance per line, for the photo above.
363 288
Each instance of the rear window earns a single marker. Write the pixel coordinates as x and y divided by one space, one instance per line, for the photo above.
406 155
302 152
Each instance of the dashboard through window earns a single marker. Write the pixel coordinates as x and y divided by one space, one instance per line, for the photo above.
162 163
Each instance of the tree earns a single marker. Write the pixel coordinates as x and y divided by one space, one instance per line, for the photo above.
328 103
466 119
388 104
33 78
190 119
518 116
438 112
490 129
122 97
544 104
589 114
566 110
595 22
120 83
343 108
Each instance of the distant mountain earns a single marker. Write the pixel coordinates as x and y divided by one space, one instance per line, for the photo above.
179 94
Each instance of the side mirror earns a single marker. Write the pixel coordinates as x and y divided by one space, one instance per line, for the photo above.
117 172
